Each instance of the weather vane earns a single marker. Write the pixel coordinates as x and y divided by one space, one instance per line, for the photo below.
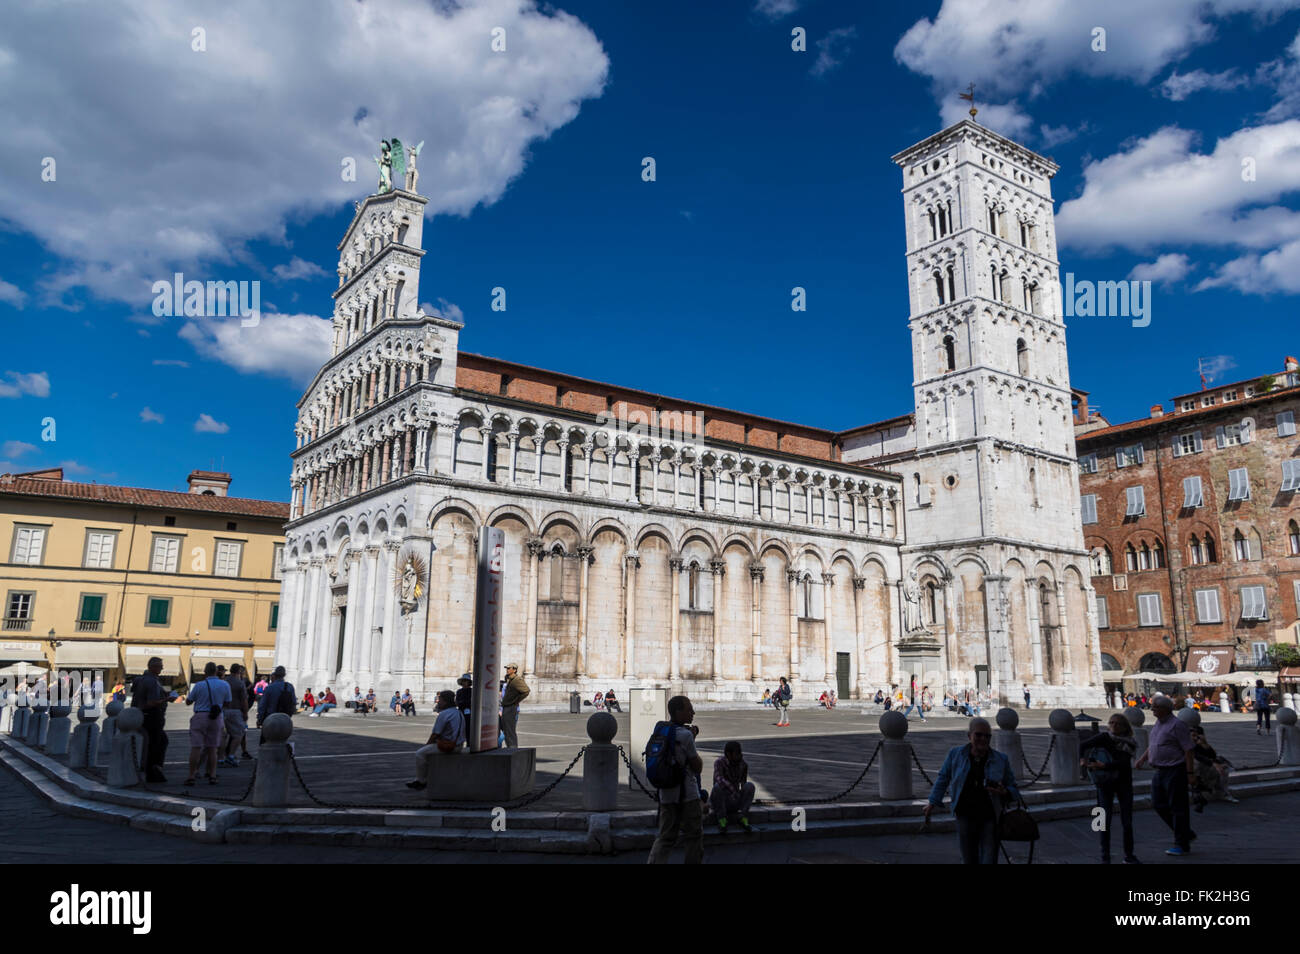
969 95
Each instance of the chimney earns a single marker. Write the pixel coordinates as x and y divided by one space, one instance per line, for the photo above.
1290 364
1157 410
213 483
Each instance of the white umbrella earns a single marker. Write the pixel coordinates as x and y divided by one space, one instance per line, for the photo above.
22 669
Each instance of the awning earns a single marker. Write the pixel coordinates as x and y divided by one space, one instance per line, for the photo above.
1210 661
263 660
1112 675
1144 676
1247 677
1291 672
90 654
221 655
137 659
22 651
1190 678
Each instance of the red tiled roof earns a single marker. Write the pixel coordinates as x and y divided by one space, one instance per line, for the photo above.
20 486
1176 420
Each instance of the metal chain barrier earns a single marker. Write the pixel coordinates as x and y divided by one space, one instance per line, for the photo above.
631 771
919 767
1042 769
834 798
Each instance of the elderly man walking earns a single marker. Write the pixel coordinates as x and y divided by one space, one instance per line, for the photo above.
1170 750
516 691
978 778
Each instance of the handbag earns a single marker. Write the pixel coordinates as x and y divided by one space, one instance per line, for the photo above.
1016 824
214 707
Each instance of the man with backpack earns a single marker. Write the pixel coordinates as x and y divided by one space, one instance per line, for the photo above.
515 692
208 698
278 697
673 766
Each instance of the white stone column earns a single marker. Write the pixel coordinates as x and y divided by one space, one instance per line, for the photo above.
654 481
394 637
677 482
1067 670
634 475
631 563
349 633
585 555
286 632
859 638
488 440
828 581
563 445
324 660
383 592
535 553
513 437
366 661
719 568
311 608
587 449
674 668
539 443
756 619
758 496
422 449
792 579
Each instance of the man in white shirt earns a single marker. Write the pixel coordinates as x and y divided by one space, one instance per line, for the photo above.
447 737
208 697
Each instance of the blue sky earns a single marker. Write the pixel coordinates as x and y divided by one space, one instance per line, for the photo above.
772 171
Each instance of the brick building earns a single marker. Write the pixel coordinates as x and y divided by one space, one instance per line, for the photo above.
1192 523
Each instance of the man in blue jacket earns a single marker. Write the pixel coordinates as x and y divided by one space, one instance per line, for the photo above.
979 778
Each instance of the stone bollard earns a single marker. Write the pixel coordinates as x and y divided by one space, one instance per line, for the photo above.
83 751
1288 700
600 765
128 750
895 758
271 786
1288 737
8 706
58 731
1065 753
38 723
1007 741
109 730
1135 718
18 728
1190 717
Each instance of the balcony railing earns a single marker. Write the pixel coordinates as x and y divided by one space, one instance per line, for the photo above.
90 625
21 624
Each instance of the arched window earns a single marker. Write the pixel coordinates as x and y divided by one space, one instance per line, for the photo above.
938 287
1157 556
557 572
1198 552
1293 538
1130 558
1157 662
952 285
932 603
1101 562
950 354
1004 287
693 586
1240 546
934 233
1022 357
1144 557
1210 555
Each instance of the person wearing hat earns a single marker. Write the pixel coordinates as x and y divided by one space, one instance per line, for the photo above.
515 692
465 696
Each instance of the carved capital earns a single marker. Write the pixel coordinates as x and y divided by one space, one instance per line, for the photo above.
792 576
586 553
675 563
828 579
859 582
756 571
535 546
718 566
633 559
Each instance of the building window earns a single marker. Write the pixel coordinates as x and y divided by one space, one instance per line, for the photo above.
275 617
29 545
949 353
557 573
1103 613
1207 606
1193 494
1144 557
1135 503
1197 551
1088 506
277 560
222 612
229 553
1259 653
1148 609
18 611
1211 556
1022 357
166 554
1229 435
92 608
1290 476
1101 561
1254 604
1229 396
1207 401
99 549
1128 456
1088 464
160 611
952 284
1187 444
1158 556
1238 484
693 586
1285 423
1130 559
1189 406
1293 538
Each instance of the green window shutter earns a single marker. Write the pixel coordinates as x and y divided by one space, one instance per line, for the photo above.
275 615
221 615
91 608
159 611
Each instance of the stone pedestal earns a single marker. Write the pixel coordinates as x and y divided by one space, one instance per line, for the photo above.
895 758
271 787
1288 737
109 730
498 775
18 728
1065 753
59 731
600 765
84 748
1006 739
128 750
38 724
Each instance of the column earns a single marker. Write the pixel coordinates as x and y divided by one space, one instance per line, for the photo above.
945 647
587 449
677 481
310 608
610 451
384 469
828 580
701 489
365 469
401 462
585 555
422 449
348 635
758 497
536 552
384 586
1066 669
634 476
719 568
323 662
394 639
859 637
564 464
675 567
367 654
792 580
631 563
697 498
286 634
513 437
853 513
756 618
1001 669
654 493
539 442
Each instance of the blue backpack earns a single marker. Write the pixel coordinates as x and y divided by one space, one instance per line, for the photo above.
661 766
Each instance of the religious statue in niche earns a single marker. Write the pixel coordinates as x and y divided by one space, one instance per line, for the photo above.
409 581
912 605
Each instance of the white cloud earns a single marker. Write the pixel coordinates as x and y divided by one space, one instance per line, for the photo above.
16 384
1161 190
291 346
1172 267
1005 118
1178 86
1214 367
207 424
148 416
1019 47
776 9
170 363
832 49
16 448
1275 271
186 157
296 269
74 468
445 309
1049 136
11 294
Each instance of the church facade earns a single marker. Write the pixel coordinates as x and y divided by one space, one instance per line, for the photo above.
657 542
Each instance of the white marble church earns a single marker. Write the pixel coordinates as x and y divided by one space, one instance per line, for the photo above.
653 541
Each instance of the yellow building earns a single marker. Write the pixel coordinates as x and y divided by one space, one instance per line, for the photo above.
98 577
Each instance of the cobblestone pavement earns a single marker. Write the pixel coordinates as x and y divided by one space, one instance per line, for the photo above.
366 759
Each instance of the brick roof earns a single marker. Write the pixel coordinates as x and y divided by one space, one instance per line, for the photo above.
1179 419
24 486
